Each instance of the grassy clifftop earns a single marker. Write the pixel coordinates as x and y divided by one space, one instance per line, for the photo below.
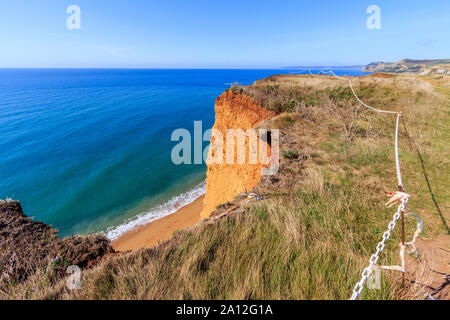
322 214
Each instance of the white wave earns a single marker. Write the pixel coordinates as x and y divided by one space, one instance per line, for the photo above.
163 210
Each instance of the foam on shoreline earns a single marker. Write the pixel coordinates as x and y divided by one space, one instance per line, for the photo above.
156 213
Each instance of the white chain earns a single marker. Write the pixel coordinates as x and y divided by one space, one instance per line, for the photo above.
374 258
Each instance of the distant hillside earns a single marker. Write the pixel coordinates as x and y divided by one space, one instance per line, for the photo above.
313 226
422 67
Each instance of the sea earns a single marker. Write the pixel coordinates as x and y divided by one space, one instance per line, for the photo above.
89 150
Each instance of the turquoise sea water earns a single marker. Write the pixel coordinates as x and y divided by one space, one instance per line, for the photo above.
89 150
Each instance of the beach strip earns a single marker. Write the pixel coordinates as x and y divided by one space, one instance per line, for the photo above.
162 229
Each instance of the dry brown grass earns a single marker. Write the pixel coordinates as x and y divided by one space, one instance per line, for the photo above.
322 215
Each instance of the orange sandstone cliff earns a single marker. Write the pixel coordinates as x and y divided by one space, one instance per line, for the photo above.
225 181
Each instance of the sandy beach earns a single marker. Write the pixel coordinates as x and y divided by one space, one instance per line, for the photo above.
161 229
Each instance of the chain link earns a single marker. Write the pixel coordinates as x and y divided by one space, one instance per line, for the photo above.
374 258
380 247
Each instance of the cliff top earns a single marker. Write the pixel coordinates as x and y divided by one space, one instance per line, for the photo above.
319 219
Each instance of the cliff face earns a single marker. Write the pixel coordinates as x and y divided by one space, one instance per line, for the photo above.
225 181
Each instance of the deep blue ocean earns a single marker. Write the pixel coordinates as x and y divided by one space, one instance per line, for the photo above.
89 150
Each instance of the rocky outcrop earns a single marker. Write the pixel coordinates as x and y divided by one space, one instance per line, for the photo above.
27 246
225 181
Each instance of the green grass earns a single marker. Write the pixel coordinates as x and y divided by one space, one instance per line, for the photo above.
291 154
310 240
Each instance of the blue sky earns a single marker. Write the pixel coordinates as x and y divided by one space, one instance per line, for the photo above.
220 34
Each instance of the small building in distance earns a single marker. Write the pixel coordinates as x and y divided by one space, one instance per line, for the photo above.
443 71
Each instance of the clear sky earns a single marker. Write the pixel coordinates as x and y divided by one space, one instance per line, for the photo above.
215 33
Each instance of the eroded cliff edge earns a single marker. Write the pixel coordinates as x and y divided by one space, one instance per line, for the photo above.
225 181
28 246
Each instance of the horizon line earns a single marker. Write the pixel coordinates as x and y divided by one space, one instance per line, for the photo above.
192 68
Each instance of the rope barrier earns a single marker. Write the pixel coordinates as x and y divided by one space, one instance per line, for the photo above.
395 196
374 258
402 268
320 72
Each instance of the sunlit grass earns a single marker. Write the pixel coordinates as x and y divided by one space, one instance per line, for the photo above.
311 240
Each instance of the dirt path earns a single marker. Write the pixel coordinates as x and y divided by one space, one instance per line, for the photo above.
431 271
